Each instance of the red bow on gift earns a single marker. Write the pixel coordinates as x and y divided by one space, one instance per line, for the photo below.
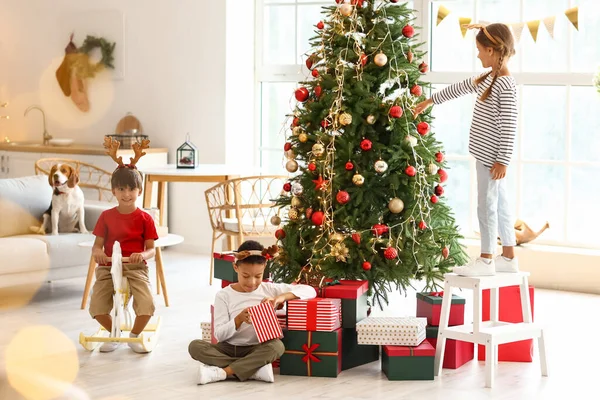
437 294
309 353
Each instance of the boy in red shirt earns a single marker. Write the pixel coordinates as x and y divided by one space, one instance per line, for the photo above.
135 231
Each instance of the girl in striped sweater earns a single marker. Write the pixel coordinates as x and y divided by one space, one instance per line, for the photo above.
491 142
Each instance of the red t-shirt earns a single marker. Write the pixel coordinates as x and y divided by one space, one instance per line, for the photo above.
130 230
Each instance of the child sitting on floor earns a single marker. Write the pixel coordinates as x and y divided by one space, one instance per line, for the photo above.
238 352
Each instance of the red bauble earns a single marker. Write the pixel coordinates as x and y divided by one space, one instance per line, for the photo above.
366 144
358 3
339 1
280 234
434 198
410 171
287 146
439 190
287 186
356 238
309 62
423 67
393 1
324 123
318 91
439 156
445 252
315 73
296 121
320 25
342 197
423 128
349 166
408 31
422 225
312 166
366 266
416 90
379 229
390 253
396 112
364 59
443 175
301 94
317 218
309 212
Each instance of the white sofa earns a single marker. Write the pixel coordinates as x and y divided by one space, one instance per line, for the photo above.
26 257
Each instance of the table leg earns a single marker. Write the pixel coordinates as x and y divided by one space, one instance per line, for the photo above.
88 282
157 280
161 201
230 199
161 273
147 192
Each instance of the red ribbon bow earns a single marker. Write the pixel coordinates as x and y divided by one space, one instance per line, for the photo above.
309 353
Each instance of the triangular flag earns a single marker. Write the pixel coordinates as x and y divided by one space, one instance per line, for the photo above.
442 13
462 21
517 29
549 24
573 16
533 28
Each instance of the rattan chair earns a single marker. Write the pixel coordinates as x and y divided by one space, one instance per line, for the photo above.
243 207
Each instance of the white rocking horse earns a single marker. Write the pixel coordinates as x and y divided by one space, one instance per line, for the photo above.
121 313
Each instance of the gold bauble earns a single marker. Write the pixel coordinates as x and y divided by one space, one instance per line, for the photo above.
293 214
358 179
396 205
275 220
336 237
318 149
380 59
346 10
432 169
411 140
345 119
290 154
380 166
296 202
297 130
371 119
303 137
291 166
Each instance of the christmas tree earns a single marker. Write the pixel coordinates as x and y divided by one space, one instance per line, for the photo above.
367 200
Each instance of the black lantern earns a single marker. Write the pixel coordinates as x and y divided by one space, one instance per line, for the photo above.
187 154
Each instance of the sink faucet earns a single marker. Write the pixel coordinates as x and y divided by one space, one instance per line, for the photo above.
47 136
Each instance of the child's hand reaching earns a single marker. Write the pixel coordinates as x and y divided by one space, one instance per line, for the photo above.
101 258
422 106
498 171
242 317
275 301
136 258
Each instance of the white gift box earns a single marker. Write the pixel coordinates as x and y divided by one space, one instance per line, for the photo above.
395 331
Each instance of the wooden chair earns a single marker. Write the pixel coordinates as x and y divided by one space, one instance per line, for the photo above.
243 207
92 180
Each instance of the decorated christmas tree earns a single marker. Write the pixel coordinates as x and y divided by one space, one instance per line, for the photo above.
366 200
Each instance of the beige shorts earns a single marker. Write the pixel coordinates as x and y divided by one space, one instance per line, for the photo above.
101 302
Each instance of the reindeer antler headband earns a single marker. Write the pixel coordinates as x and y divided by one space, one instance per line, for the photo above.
485 31
112 146
267 253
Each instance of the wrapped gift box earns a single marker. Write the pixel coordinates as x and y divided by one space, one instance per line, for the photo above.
509 310
354 299
310 353
282 318
318 314
265 322
397 331
429 305
206 331
457 352
407 363
223 268
354 354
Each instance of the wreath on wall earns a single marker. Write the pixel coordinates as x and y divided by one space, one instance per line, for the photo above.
76 68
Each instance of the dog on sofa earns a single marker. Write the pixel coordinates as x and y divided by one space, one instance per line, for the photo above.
66 212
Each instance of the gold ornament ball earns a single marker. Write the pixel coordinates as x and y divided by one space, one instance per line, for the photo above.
411 140
293 214
346 10
380 59
291 166
297 130
318 149
381 166
396 205
296 202
358 179
371 119
345 119
336 237
432 169
275 220
290 154
303 137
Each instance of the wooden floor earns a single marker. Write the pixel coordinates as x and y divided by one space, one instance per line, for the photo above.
571 322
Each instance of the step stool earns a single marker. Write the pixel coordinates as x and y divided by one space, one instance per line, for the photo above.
489 333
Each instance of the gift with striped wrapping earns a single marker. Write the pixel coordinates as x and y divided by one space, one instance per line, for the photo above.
282 318
397 331
265 322
316 314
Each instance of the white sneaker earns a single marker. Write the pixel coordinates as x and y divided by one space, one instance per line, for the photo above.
107 347
477 267
265 374
209 374
137 347
504 265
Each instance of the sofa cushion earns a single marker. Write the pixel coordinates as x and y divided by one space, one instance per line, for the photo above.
93 209
23 254
22 203
64 250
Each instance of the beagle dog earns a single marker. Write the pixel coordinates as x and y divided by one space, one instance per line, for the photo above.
66 210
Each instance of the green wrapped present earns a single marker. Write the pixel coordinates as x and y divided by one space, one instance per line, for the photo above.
224 268
312 353
354 299
406 363
354 354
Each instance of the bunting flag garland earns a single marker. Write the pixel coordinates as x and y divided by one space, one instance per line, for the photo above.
464 21
549 24
573 16
517 30
442 13
533 28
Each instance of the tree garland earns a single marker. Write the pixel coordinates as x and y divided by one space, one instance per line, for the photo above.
107 48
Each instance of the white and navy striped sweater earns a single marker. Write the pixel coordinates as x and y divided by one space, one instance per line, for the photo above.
494 124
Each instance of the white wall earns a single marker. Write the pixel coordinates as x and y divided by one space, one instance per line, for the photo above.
175 64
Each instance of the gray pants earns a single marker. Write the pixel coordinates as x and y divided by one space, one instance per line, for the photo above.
243 360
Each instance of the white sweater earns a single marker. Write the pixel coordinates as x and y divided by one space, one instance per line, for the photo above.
229 303
494 124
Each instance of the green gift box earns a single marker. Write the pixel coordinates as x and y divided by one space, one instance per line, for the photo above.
404 363
312 353
354 354
354 299
223 268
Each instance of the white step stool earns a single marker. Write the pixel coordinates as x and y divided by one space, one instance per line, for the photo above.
490 333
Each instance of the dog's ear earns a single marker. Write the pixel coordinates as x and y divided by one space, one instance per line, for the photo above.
73 179
50 174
